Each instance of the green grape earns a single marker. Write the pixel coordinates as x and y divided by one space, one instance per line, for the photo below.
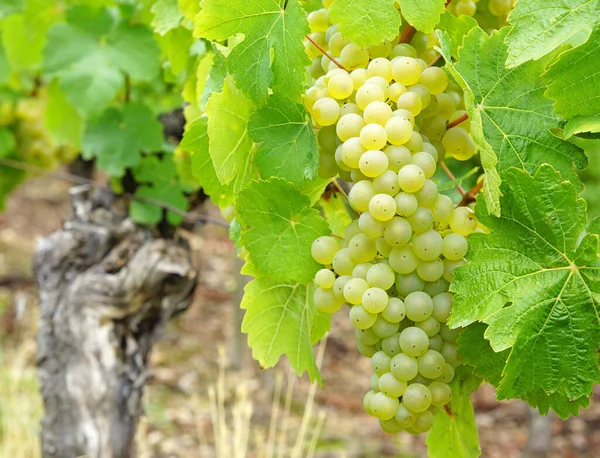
354 290
367 401
356 176
382 247
395 311
428 245
380 50
336 43
431 364
465 125
418 305
391 386
370 226
365 350
349 125
417 397
360 270
411 178
382 207
421 220
436 342
420 379
403 50
414 341
500 7
342 263
448 374
351 230
327 166
455 247
325 278
339 160
368 93
405 417
404 367
426 162
380 67
431 270
449 335
424 422
465 7
430 110
338 286
423 93
360 195
405 70
374 300
403 260
410 101
436 287
387 183
397 232
359 76
318 20
442 306
406 204
450 353
373 137
398 157
428 194
443 209
351 151
420 41
402 113
373 163
381 276
434 128
349 108
391 426
326 111
366 336
456 141
377 113
340 85
360 318
374 382
384 328
441 393
407 283
380 363
395 91
382 83
353 56
446 105
326 301
327 139
463 221
429 148
450 266
384 407
324 249
398 130
391 346
362 248
435 79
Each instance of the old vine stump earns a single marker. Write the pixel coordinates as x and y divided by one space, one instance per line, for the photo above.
107 288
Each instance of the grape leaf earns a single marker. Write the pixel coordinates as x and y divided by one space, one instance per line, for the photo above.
278 229
228 115
4 64
271 55
454 432
477 352
167 16
176 44
335 211
574 79
539 30
90 51
216 76
280 320
581 124
537 289
423 15
288 145
456 28
509 113
365 22
61 118
117 138
8 7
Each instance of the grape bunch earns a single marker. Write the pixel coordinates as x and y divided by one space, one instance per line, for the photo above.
383 125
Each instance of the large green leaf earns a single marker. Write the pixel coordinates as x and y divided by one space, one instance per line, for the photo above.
509 114
62 119
457 28
288 145
423 15
365 22
573 81
539 30
117 138
281 319
279 227
271 54
167 16
535 280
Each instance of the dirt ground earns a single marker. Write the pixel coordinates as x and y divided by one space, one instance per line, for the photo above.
181 406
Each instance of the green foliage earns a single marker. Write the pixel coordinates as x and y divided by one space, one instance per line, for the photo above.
538 31
423 15
534 280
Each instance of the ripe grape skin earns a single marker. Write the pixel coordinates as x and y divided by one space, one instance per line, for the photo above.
404 367
341 86
431 364
325 278
360 318
342 263
441 393
367 336
370 226
374 300
349 125
326 111
323 249
418 305
380 362
386 183
395 311
414 341
367 94
377 113
411 178
403 260
373 163
391 386
408 283
384 328
406 204
405 417
381 276
354 290
431 326
382 207
398 157
360 195
398 130
397 232
417 397
384 407
362 248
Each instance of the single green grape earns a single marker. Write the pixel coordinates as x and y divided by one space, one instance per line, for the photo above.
323 249
387 183
384 407
404 367
428 245
391 386
325 278
418 305
441 393
354 290
406 204
360 195
384 328
414 341
403 260
398 157
417 397
395 310
360 318
373 163
431 326
431 364
374 300
408 283
397 232
382 207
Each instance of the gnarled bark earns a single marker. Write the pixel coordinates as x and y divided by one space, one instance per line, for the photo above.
107 288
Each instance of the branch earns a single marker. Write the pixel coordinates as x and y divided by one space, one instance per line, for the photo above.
471 195
456 122
451 176
325 53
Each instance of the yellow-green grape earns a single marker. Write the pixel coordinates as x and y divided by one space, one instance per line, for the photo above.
500 7
403 50
382 207
381 276
456 141
380 50
318 20
450 354
340 161
354 290
336 43
450 266
428 194
430 55
326 301
377 113
398 130
463 221
397 232
338 286
411 178
386 183
348 108
421 220
428 245
466 124
402 113
403 260
373 163
414 342
323 249
441 393
443 209
465 7
351 151
325 278
410 101
384 407
382 247
431 326
425 162
375 300
398 157
395 91
415 144
406 204
431 270
407 283
312 95
446 105
326 111
423 423
435 80
360 270
360 318
406 70
359 76
370 226
442 306
423 93
360 195
420 41
340 85
448 374
455 247
367 94
352 57
362 248
342 263
381 82
373 137
380 67
350 125
434 128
